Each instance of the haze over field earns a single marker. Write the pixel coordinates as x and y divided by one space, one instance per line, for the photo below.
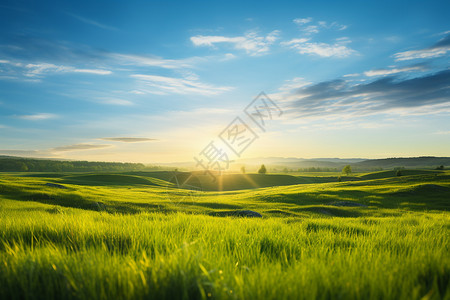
156 81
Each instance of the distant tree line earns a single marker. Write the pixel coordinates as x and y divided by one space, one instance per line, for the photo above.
324 169
38 165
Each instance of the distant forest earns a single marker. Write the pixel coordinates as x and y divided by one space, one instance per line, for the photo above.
17 164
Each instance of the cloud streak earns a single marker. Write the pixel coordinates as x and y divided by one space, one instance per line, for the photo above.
384 72
154 61
116 101
437 50
92 22
79 147
342 99
171 85
128 139
38 117
38 70
35 70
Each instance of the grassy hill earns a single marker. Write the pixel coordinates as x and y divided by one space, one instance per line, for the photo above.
141 235
366 165
407 162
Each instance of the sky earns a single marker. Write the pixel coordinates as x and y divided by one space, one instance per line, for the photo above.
164 81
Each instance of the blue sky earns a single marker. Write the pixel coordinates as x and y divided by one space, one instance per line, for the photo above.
154 81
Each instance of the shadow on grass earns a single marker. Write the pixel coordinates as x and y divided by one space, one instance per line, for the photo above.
330 211
106 180
420 198
72 200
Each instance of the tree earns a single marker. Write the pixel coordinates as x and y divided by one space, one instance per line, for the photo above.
262 170
347 170
23 167
398 173
243 169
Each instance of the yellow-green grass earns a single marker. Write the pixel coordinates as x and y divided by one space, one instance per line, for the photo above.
145 194
134 236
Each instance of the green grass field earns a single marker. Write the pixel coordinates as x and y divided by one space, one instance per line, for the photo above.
136 235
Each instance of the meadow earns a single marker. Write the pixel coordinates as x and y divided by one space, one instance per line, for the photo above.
137 235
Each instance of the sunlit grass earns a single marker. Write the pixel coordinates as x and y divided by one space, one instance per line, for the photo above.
59 243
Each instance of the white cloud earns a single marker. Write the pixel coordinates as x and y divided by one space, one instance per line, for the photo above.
252 43
92 71
38 117
424 53
383 72
188 85
302 21
116 101
337 49
36 70
228 56
295 41
311 29
352 75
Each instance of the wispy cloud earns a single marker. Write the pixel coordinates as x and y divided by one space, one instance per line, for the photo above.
128 139
384 72
338 49
37 70
310 28
92 22
302 21
439 49
46 68
169 85
295 41
252 43
115 101
293 84
38 117
332 25
79 147
389 95
154 61
92 71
